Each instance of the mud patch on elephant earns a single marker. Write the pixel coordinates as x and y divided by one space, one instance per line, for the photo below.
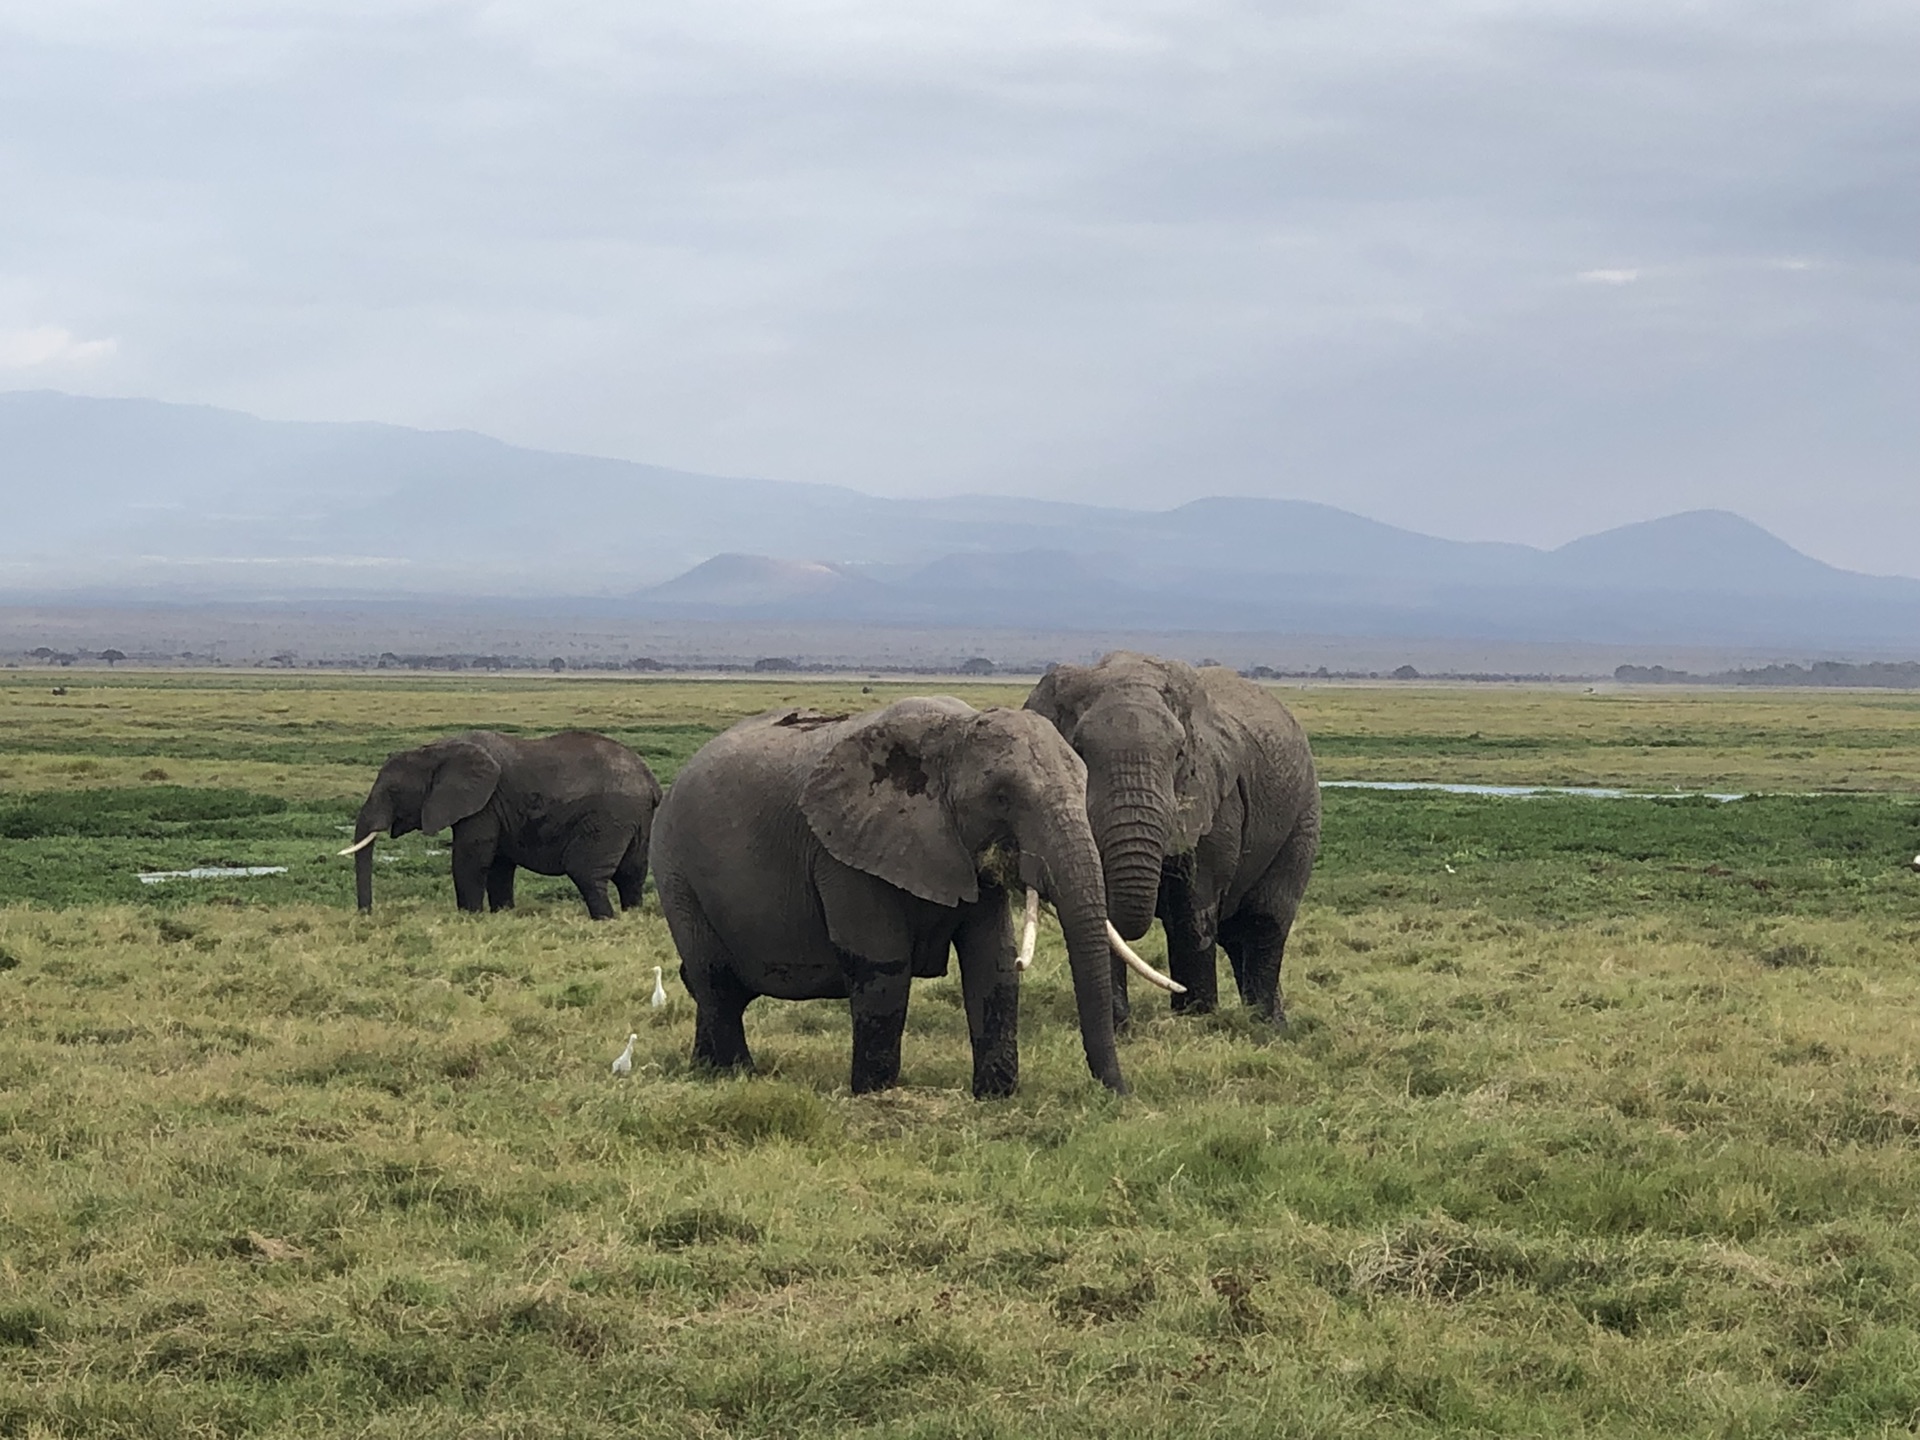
807 719
902 770
996 1061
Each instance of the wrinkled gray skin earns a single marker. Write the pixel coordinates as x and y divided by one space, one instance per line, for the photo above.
573 804
807 857
1203 799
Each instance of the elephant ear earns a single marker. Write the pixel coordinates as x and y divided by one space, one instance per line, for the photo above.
1205 773
462 783
1059 697
877 800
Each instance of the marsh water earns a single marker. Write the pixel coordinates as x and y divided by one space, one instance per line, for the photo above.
1592 792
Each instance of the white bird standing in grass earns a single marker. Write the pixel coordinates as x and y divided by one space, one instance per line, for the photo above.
623 1062
659 989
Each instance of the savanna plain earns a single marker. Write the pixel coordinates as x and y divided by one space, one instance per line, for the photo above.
1594 1117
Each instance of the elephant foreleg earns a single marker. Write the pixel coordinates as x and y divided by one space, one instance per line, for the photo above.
500 883
1198 969
1190 948
472 865
1122 1002
991 988
877 997
875 945
1257 943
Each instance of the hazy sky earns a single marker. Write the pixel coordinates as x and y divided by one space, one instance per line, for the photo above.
1487 269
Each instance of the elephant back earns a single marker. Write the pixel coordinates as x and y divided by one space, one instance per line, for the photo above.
581 766
762 764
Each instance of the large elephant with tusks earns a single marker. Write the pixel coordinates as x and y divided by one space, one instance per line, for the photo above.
1203 799
807 857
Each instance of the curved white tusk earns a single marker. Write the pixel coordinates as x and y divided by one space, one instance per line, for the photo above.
361 844
1030 932
1140 967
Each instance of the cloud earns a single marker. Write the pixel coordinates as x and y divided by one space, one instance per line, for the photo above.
48 345
1130 250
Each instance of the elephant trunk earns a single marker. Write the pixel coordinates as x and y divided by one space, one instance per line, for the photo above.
1077 891
375 816
363 880
1129 818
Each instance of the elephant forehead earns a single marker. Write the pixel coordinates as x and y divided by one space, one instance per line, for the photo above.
928 711
408 765
1016 730
1119 666
1137 716
1027 744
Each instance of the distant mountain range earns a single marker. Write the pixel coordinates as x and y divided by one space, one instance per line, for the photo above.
126 499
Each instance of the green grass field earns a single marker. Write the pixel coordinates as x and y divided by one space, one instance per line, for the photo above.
1595 1118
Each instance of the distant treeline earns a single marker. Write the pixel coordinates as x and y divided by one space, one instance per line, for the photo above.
1876 675
766 664
1403 672
392 660
978 666
1883 675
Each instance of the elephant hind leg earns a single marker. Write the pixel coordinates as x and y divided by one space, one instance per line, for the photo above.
719 1027
1256 938
630 876
593 890
706 969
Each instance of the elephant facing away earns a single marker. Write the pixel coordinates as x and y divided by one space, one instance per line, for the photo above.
573 804
1203 799
809 857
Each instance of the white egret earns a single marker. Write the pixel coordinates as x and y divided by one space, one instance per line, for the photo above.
623 1062
659 989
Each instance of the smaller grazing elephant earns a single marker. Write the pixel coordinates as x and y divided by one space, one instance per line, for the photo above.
573 804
